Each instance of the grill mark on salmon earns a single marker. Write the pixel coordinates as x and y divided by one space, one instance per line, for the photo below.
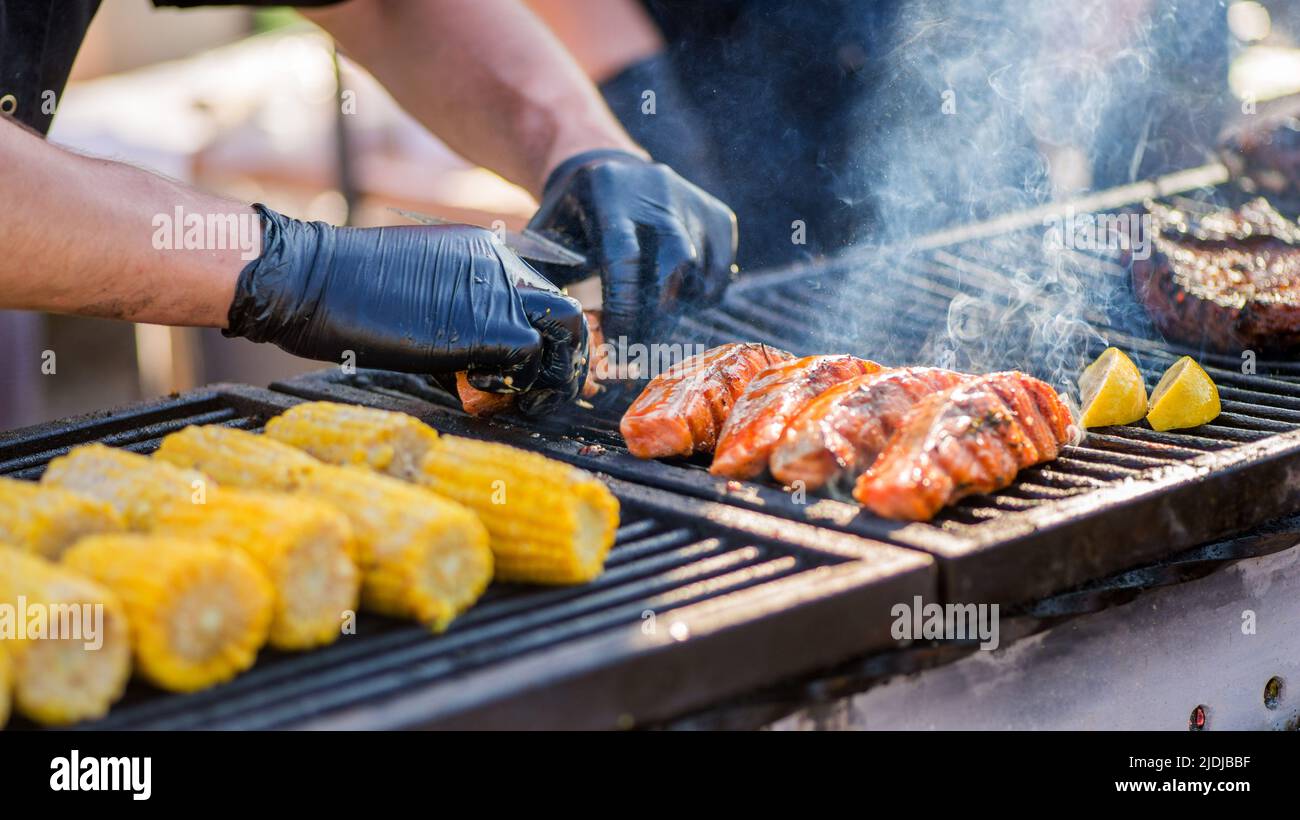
842 431
682 411
970 439
770 402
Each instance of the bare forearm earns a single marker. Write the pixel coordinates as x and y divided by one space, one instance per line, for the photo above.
485 75
94 237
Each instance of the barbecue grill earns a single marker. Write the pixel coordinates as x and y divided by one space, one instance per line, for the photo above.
699 601
717 588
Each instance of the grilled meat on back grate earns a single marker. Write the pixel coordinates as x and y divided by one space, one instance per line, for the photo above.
1228 280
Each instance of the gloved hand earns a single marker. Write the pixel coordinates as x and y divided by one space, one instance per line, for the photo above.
422 299
659 243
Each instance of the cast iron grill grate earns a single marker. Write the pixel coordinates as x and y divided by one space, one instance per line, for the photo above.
697 602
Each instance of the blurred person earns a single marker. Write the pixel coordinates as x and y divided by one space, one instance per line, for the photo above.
94 237
828 124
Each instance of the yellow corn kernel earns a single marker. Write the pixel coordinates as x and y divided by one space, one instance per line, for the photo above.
67 642
304 546
349 434
198 612
235 457
549 522
136 486
46 520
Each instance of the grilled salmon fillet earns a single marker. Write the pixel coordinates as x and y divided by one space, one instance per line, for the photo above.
682 410
969 439
771 401
846 427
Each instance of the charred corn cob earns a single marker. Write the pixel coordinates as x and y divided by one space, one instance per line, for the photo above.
421 556
236 457
197 612
136 486
46 519
304 546
548 522
67 643
347 434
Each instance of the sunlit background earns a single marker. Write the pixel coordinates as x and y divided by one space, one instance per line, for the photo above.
247 104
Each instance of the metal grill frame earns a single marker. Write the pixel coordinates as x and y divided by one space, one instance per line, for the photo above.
755 632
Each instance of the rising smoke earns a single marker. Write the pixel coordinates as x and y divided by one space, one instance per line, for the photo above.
986 108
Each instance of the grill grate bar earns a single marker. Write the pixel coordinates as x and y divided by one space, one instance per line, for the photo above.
1115 439
1039 493
1105 472
129 439
1090 453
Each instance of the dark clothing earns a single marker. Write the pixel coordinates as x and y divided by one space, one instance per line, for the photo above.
770 85
38 42
867 121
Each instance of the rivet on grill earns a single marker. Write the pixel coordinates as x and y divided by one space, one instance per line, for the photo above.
1196 723
1272 692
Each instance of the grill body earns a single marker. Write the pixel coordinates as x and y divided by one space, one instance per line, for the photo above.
699 602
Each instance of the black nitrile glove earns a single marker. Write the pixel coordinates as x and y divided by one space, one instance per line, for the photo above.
659 243
422 299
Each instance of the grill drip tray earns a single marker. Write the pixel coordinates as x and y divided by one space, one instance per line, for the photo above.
700 601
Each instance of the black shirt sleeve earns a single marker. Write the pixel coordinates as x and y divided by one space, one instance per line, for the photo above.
38 42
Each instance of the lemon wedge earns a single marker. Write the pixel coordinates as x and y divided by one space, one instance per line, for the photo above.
1112 391
1185 397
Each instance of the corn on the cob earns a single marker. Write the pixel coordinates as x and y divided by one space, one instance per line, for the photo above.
421 556
198 612
548 522
136 486
236 457
67 643
304 546
348 434
46 519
